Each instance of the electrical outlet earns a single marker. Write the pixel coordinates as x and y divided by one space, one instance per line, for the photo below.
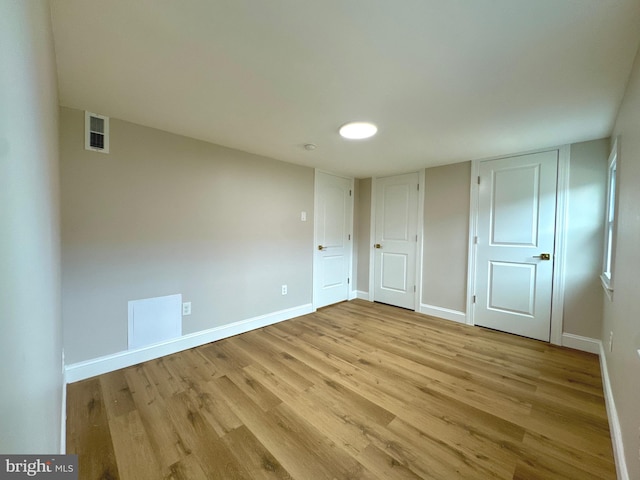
284 289
186 308
611 341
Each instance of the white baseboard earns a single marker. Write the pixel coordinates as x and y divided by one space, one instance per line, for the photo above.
63 413
353 294
593 345
614 421
578 342
362 295
97 366
446 313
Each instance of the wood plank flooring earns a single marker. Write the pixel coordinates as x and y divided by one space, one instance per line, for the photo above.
354 391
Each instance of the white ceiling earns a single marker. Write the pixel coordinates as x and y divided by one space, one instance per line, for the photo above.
444 80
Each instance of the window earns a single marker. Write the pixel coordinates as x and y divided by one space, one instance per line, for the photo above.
610 222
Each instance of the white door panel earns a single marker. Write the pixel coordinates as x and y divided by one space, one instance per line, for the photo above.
333 208
397 210
505 278
394 271
516 225
333 267
514 206
332 262
396 240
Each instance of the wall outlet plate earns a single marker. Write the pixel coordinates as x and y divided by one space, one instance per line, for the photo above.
284 289
186 308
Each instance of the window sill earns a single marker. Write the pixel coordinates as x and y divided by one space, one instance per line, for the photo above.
608 288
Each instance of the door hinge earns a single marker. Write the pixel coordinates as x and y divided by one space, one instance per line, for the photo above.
348 281
475 240
349 236
414 289
478 179
349 192
416 237
474 299
418 187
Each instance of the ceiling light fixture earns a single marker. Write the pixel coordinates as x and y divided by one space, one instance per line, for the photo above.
358 130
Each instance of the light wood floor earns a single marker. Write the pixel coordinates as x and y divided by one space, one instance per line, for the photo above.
354 391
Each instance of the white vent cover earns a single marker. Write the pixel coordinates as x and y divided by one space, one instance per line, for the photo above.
96 132
154 320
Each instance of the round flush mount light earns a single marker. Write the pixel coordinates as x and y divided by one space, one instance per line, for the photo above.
358 130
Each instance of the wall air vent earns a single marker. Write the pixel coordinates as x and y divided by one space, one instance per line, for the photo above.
96 132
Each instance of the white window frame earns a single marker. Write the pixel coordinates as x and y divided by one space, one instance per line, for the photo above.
610 221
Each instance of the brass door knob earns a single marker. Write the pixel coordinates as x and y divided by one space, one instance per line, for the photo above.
377 245
320 247
543 256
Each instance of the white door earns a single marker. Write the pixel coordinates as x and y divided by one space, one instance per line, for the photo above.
515 244
395 240
333 223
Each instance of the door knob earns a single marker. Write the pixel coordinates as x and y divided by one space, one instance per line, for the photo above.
320 247
543 256
377 245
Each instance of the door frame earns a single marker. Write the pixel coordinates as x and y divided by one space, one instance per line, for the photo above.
558 279
351 294
419 244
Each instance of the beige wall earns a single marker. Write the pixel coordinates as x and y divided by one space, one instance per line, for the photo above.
363 233
622 315
585 235
164 214
30 318
446 236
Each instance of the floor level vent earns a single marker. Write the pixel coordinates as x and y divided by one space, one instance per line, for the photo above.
154 320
